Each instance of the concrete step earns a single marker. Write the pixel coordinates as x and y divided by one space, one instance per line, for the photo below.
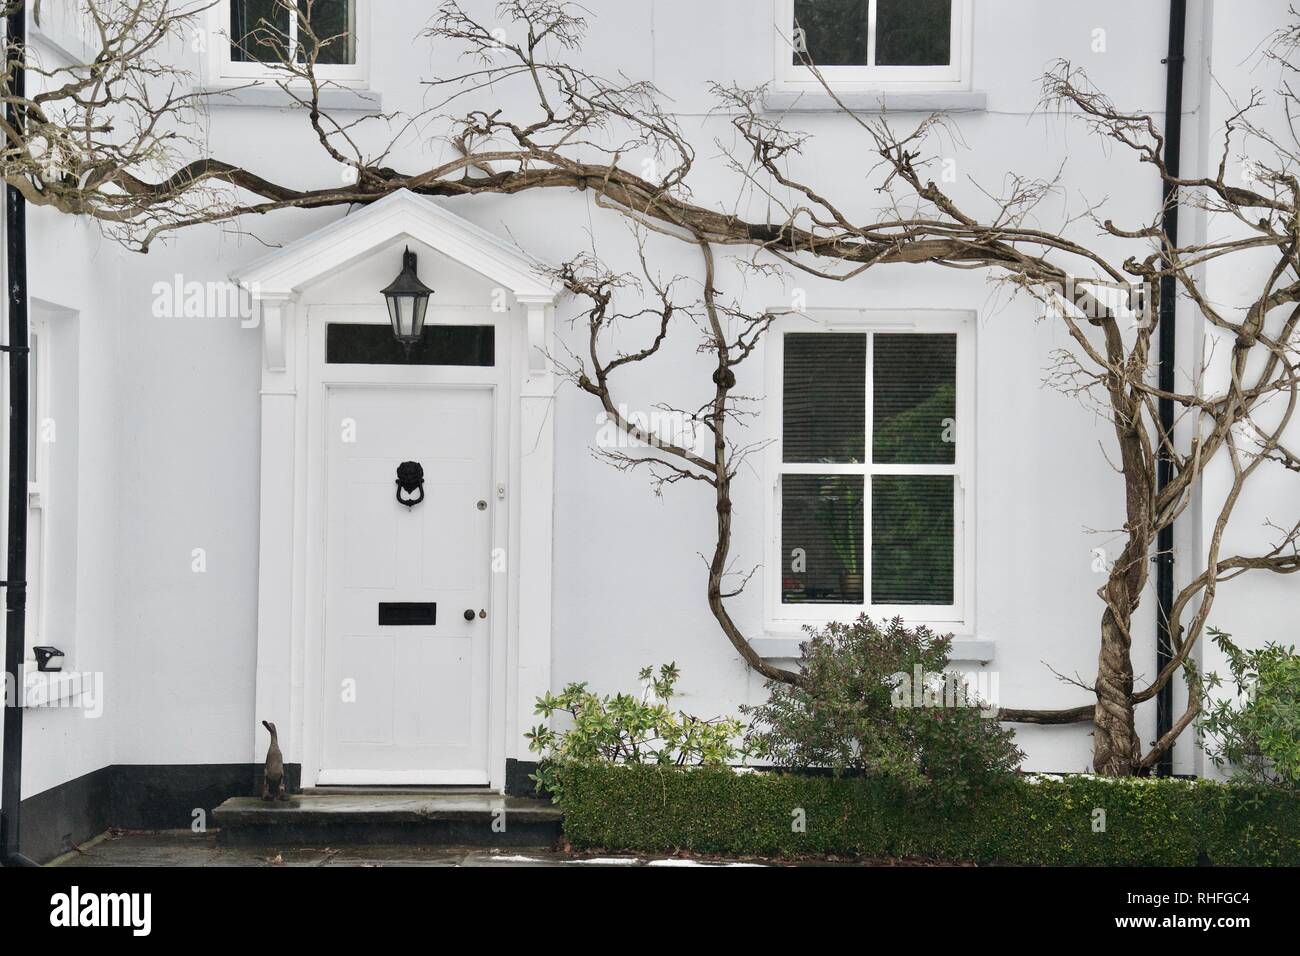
424 818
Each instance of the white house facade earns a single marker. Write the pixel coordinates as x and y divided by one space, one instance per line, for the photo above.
218 536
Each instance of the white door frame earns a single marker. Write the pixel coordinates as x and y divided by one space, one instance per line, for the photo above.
290 523
326 379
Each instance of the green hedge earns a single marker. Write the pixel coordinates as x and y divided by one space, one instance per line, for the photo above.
1049 821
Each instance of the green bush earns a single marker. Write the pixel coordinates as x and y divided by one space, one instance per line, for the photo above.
882 702
1260 737
627 728
1076 820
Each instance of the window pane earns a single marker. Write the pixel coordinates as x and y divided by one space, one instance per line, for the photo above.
824 397
259 30
821 539
914 399
834 32
911 539
34 410
349 344
334 23
913 32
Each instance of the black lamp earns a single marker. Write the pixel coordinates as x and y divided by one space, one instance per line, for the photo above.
408 300
48 658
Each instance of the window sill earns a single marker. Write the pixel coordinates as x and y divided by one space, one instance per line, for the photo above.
52 688
269 96
964 649
876 101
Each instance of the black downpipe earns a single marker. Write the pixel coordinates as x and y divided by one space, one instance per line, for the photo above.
1165 409
11 774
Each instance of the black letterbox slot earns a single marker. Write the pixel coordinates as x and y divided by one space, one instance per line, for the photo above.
408 613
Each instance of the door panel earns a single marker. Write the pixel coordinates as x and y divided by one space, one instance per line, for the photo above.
407 703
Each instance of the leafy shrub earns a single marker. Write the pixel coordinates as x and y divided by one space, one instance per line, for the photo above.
1034 821
1260 736
628 728
882 702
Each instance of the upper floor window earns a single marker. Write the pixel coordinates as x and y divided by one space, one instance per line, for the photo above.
872 468
257 35
870 44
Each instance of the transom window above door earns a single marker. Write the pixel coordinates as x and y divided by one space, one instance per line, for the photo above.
870 44
872 472
355 343
257 35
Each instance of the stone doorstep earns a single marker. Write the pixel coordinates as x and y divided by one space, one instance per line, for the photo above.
402 817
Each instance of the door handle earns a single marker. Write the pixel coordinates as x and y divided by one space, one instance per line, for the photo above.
469 613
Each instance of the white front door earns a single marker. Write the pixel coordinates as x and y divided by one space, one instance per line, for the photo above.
407 603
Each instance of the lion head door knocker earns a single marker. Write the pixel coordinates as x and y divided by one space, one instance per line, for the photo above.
410 478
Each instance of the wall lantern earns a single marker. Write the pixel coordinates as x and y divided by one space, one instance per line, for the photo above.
48 658
408 299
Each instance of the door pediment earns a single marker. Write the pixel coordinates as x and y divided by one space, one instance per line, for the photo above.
276 281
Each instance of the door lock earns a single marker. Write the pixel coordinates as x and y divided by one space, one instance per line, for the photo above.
469 613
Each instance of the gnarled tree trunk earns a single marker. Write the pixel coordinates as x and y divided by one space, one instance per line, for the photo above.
1116 750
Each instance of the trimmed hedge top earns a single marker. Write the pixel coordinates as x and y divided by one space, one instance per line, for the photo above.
1054 821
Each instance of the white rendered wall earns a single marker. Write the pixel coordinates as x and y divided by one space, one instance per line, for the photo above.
72 268
177 444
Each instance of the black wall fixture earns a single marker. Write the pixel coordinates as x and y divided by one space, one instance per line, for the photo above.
410 478
408 300
48 658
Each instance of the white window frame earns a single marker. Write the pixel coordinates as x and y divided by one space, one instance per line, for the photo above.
957 617
226 70
954 76
38 479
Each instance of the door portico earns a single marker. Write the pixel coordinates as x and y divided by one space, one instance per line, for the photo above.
303 604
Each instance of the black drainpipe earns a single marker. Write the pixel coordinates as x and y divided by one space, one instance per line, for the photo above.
11 774
1168 300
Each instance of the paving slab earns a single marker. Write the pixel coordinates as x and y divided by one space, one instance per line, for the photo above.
168 848
182 848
